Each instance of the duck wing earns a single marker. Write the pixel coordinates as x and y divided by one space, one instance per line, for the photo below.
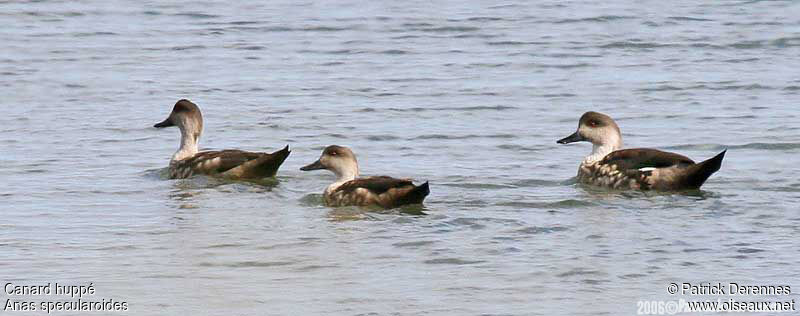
638 158
660 170
231 163
385 191
262 166
376 185
212 162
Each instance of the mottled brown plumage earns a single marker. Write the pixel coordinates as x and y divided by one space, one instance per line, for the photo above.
234 164
639 169
644 157
348 190
385 191
231 163
377 185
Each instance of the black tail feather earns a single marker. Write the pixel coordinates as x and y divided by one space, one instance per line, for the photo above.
279 157
700 172
267 165
415 196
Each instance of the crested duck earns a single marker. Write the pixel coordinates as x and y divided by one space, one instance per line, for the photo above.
349 190
641 168
231 163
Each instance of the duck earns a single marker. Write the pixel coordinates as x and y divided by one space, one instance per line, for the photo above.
350 190
610 166
230 163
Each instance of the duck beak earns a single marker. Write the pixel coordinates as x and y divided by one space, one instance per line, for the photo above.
575 137
313 166
165 123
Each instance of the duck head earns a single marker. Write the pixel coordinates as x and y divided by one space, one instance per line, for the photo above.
598 129
187 117
339 160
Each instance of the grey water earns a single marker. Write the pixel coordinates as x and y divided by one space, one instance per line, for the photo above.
470 96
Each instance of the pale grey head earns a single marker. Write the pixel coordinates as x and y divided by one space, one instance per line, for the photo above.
184 114
338 159
598 129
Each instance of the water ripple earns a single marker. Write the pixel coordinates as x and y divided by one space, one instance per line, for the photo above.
596 19
453 261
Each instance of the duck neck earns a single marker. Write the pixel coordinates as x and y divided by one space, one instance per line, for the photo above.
599 151
189 140
343 176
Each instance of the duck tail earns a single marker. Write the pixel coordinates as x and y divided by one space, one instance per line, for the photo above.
422 191
270 163
699 173
262 167
416 195
281 155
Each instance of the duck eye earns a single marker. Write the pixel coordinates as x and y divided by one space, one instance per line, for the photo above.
333 153
593 123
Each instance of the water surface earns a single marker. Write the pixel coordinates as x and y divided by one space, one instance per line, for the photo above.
470 97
